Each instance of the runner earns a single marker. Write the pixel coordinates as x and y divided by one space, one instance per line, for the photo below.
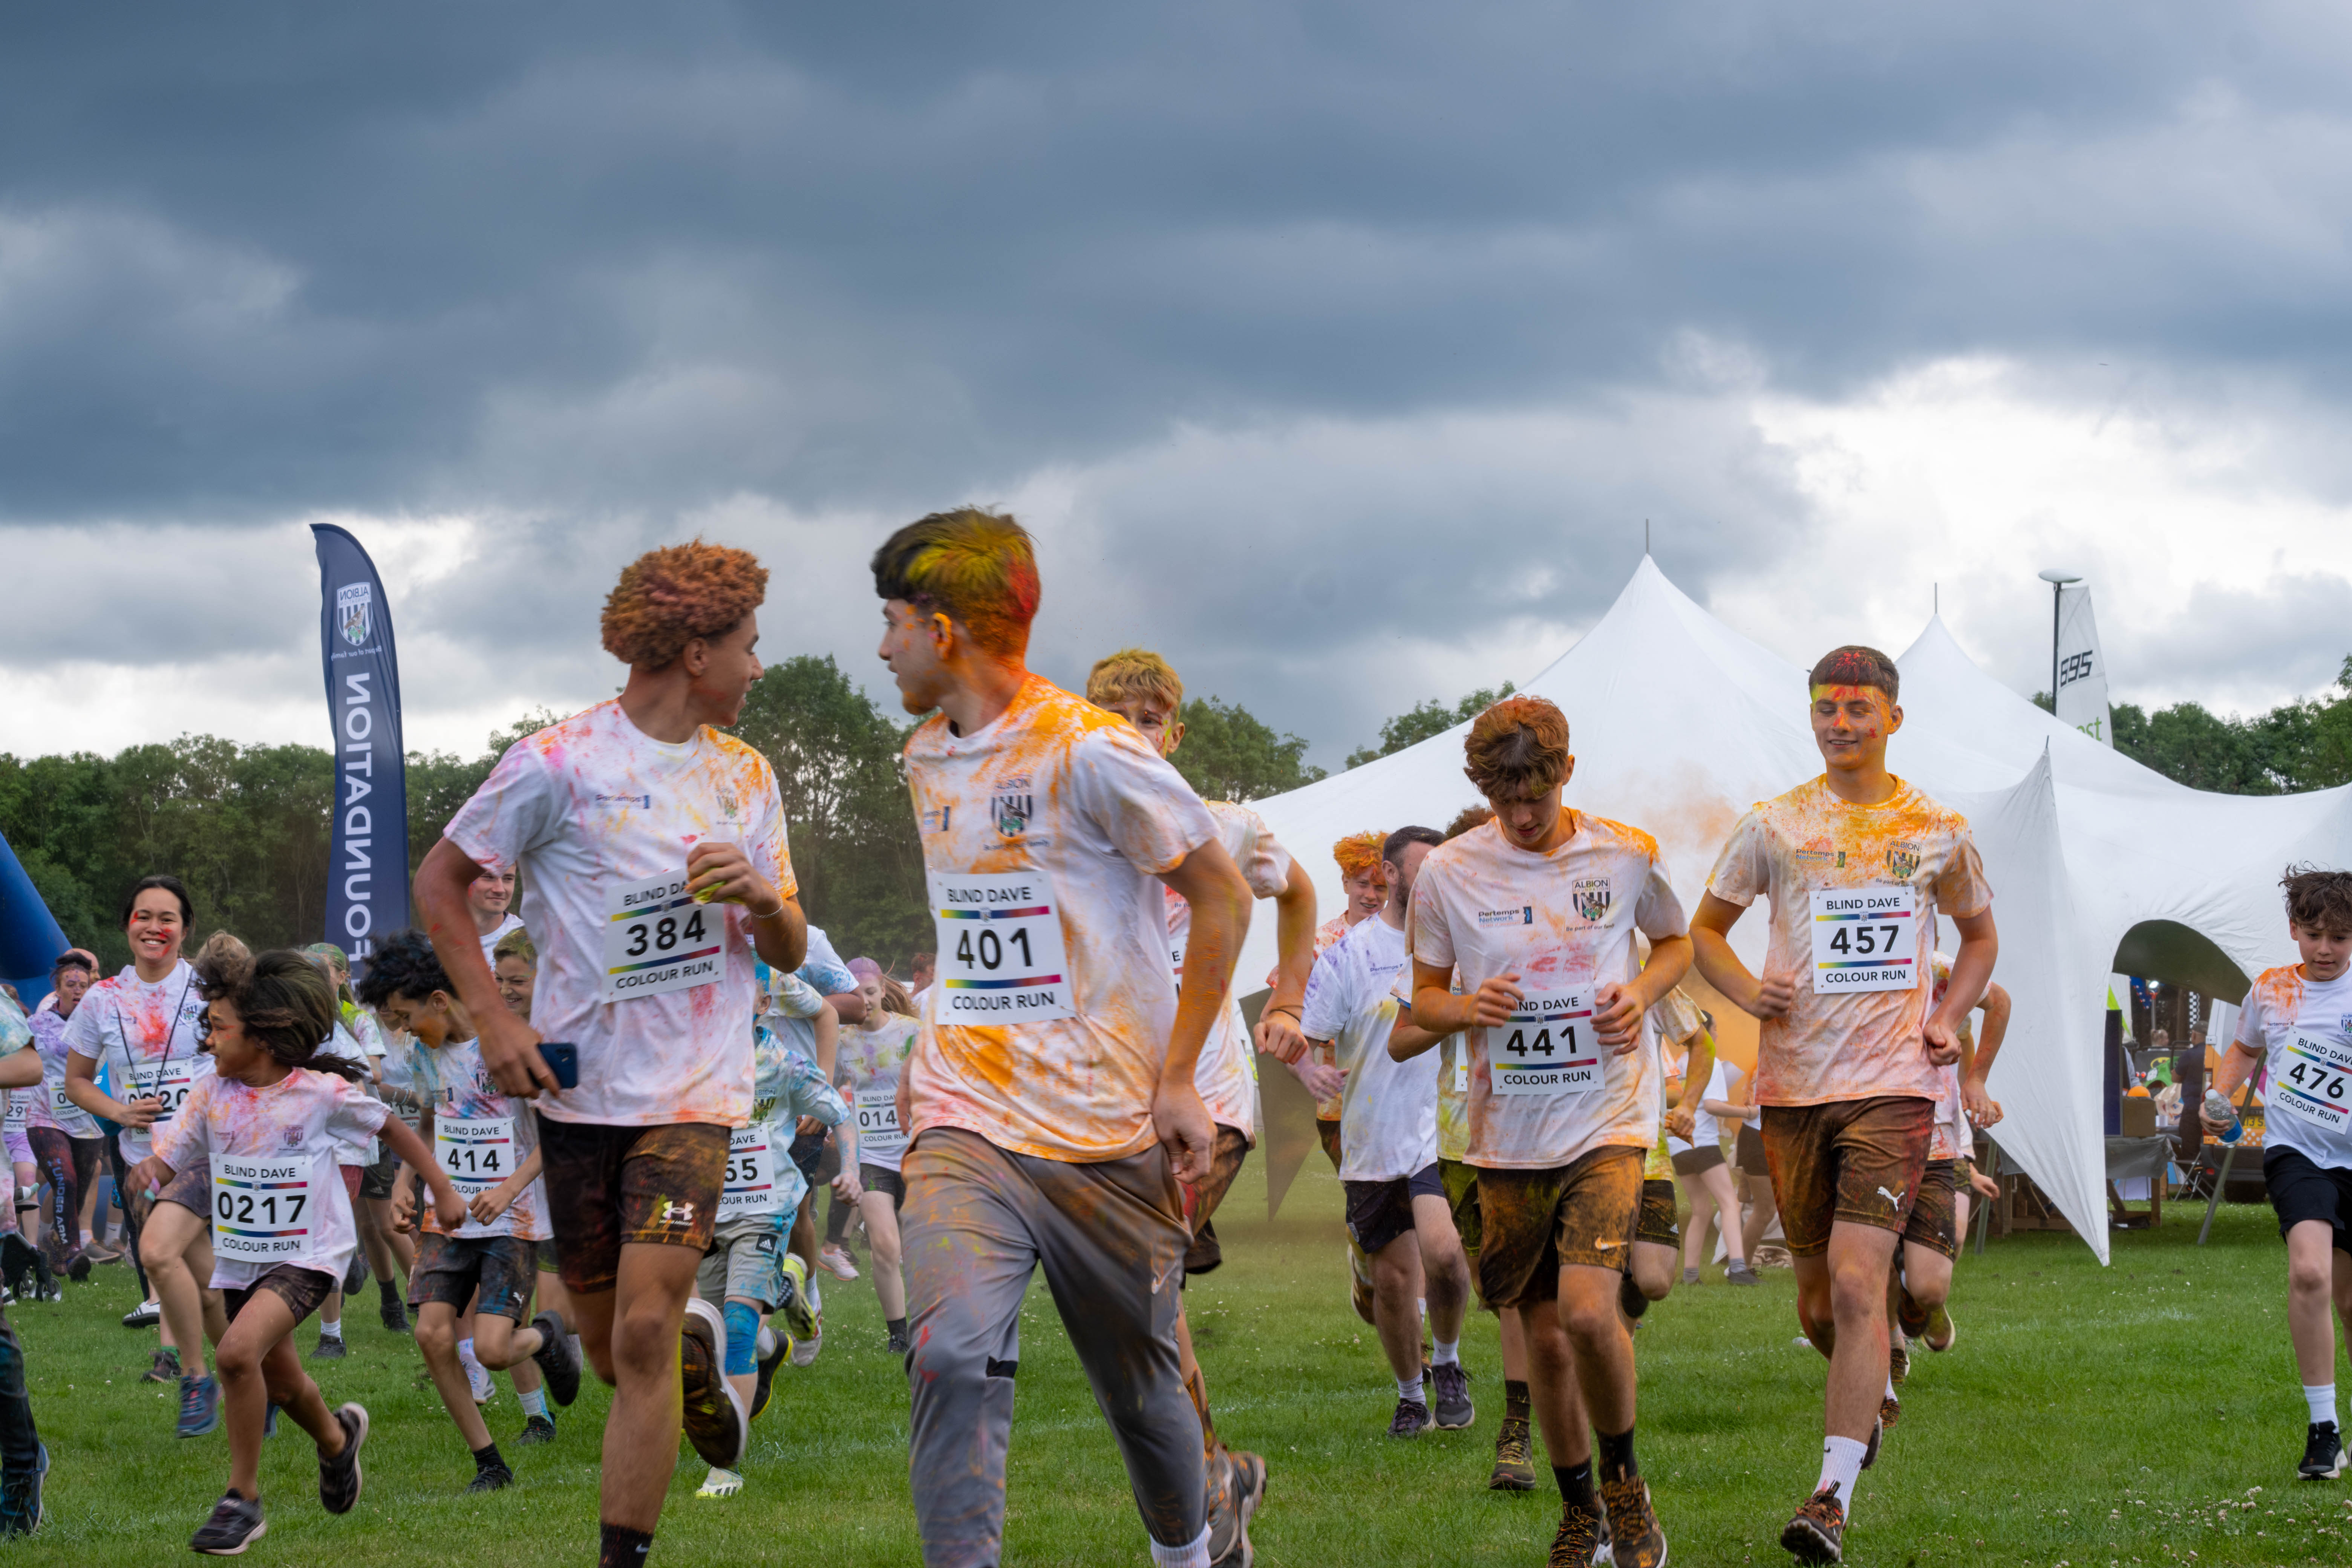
24 1461
1536 913
1857 864
259 1132
482 1140
873 1056
2300 1015
1050 1104
1677 1022
388 1253
489 898
66 1144
629 823
1143 689
1695 1148
816 1037
22 1260
141 1028
1362 895
1398 1215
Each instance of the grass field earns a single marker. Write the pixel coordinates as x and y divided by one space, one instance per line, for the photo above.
2146 1413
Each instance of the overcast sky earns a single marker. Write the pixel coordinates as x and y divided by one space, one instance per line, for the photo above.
1338 352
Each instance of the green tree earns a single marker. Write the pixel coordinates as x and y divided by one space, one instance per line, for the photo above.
1229 755
441 782
2298 745
1432 718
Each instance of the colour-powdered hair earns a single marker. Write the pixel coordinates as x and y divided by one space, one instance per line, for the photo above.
1468 818
1359 853
1517 749
2320 901
1133 675
516 945
977 568
1855 664
286 1005
668 597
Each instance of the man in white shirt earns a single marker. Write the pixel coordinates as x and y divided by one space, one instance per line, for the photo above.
489 898
654 849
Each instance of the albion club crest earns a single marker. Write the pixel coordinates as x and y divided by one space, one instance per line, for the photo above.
1590 898
352 601
1011 813
1903 861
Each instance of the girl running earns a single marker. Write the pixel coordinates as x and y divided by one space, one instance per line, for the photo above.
65 1138
872 1052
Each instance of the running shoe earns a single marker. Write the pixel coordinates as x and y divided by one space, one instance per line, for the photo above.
896 1343
1890 1410
800 1315
1690 1276
145 1315
1909 1316
719 1483
538 1429
1515 1461
20 1497
1941 1331
270 1421
1898 1359
1635 1539
52 1290
339 1478
331 1347
357 1274
713 1420
99 1252
1818 1532
1411 1420
1233 1503
804 1350
556 1358
478 1378
1577 1542
1869 1453
78 1266
2322 1452
490 1478
234 1525
1629 1299
1451 1383
1740 1274
199 1406
388 1308
838 1261
779 1346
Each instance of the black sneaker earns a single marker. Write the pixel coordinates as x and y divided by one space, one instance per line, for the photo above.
538 1429
357 1274
897 1343
330 1348
2322 1452
20 1499
557 1361
234 1525
490 1478
1451 1381
1233 1498
763 1389
389 1307
78 1267
1818 1532
164 1368
1411 1420
1629 1299
339 1478
1577 1543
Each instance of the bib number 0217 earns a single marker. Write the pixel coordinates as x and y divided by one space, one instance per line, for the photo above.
1545 1048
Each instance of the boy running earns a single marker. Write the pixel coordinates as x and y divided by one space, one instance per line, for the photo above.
1050 1101
1857 865
2300 1015
1536 913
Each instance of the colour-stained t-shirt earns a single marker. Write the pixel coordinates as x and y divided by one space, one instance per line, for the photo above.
1388 1109
590 809
143 1039
305 1115
868 1062
50 1108
1857 1045
2305 1026
787 1086
1564 922
1326 934
457 1089
1227 1077
1045 833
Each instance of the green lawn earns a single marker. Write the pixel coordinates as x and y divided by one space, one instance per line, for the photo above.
2140 1414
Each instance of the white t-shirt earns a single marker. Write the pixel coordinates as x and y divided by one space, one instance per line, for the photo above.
2306 1092
1227 1077
587 807
136 1031
1707 1133
315 1115
1388 1109
497 934
1563 922
1061 789
461 1090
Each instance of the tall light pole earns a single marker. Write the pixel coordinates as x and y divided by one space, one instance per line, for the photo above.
2057 581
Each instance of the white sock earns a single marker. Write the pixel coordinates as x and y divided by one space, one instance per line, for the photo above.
1890 1386
1445 1352
1409 1388
1841 1464
534 1402
2321 1397
1423 1303
1196 1555
328 1330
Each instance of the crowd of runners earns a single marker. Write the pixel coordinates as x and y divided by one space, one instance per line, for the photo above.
593 1133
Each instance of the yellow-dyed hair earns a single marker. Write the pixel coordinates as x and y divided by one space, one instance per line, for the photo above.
1134 673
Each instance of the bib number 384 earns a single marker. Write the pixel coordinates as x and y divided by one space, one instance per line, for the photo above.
999 949
658 939
1547 1046
1865 939
2311 1082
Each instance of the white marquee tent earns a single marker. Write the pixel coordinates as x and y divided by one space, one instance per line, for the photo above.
2097 864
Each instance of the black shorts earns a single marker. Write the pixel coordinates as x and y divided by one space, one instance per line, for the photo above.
450 1268
303 1290
1380 1213
1661 1221
608 1186
1699 1160
808 1151
2301 1188
883 1179
375 1187
1749 1153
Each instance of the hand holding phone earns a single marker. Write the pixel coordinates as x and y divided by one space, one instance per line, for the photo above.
562 1059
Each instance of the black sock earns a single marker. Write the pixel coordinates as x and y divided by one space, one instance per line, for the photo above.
1617 1455
621 1547
1576 1485
1514 1400
486 1457
896 1325
388 1289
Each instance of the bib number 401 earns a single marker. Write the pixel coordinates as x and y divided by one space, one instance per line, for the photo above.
986 952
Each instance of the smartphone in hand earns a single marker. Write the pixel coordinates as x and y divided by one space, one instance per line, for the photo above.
562 1058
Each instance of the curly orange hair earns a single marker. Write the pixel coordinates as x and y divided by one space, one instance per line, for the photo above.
1517 749
668 597
1359 852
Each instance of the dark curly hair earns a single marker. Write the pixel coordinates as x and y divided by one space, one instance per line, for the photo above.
404 964
668 597
287 1005
2318 900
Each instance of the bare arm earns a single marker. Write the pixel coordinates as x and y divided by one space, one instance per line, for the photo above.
2238 1064
21 1068
1294 927
1971 973
1436 1008
1208 881
1683 1119
1617 1009
1710 931
849 1007
402 1140
1976 1064
81 1087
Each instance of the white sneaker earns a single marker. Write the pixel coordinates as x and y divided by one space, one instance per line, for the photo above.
478 1378
804 1350
838 1261
719 1483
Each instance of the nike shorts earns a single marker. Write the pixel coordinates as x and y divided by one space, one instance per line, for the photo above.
1534 1222
1461 1183
1660 1222
1859 1162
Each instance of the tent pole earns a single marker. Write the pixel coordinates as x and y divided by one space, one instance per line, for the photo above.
2229 1153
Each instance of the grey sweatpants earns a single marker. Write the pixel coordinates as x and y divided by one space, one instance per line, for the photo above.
1111 1239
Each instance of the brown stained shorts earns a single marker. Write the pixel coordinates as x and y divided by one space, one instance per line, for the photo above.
1201 1201
303 1290
191 1189
1534 1222
1935 1217
1328 1132
608 1186
1660 1223
1461 1194
1856 1161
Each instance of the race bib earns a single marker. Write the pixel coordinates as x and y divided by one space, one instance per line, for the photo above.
475 1152
1866 939
751 1188
1460 1075
878 1121
1547 1046
61 1106
267 1211
167 1081
658 939
999 949
2311 1082
20 1110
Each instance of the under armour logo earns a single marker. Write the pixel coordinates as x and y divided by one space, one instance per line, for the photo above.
674 1213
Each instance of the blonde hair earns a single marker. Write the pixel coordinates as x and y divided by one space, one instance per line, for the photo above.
1135 673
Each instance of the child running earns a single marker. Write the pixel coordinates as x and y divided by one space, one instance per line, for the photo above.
872 1054
265 1123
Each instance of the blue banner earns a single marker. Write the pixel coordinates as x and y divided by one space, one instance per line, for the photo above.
367 882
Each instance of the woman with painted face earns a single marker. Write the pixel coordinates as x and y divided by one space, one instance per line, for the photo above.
66 1141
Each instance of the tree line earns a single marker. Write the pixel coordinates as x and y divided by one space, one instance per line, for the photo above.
246 827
